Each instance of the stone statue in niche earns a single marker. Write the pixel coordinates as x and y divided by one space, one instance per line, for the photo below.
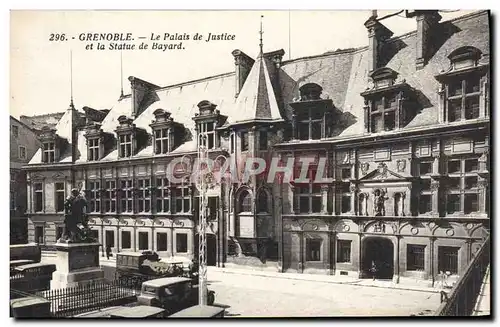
379 197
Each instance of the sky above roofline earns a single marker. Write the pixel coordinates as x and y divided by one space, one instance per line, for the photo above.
40 70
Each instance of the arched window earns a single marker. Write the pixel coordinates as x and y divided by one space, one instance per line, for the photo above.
245 201
262 202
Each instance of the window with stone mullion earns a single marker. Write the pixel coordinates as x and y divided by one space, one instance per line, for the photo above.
110 196
93 149
383 114
126 196
308 193
182 199
144 195
125 145
162 141
207 134
95 196
49 152
310 125
463 98
162 195
463 193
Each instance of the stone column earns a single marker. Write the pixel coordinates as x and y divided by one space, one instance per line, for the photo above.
396 260
301 256
291 198
324 199
435 198
431 258
360 255
483 193
354 192
333 254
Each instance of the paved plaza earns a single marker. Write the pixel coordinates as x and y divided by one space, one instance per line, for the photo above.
259 296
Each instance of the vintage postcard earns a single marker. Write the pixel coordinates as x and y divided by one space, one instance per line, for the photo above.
168 164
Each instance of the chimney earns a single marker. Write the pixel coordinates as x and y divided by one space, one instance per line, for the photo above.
243 63
426 23
377 34
143 94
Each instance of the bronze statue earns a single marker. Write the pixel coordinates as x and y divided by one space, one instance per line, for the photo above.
75 219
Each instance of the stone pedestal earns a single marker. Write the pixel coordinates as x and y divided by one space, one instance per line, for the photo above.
77 264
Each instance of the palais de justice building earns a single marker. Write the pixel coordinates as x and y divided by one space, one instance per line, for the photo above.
403 123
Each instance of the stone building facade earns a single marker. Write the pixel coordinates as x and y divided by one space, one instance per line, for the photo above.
23 145
402 125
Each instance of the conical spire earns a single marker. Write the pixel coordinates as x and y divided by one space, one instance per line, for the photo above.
71 105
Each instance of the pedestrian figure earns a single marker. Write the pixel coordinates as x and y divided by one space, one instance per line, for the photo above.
108 251
373 269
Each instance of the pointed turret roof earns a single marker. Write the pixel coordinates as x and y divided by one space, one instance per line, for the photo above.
257 100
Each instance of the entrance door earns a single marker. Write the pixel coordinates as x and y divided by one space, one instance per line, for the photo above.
110 239
381 252
211 248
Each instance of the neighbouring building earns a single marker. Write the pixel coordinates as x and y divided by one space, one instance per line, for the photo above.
23 145
403 124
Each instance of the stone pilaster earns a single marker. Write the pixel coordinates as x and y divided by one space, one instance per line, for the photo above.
324 199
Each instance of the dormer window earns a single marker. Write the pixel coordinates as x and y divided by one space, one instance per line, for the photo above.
125 145
50 145
166 132
311 114
130 138
207 121
464 91
96 141
386 105
49 152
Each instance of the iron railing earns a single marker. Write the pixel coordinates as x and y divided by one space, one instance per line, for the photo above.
67 302
461 299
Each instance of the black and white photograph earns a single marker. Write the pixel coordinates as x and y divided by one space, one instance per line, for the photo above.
250 163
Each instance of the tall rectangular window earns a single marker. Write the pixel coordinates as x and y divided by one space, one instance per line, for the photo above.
232 143
244 141
448 259
463 98
126 239
143 240
181 243
162 141
144 196
263 140
22 152
462 185
59 196
313 249
425 196
93 149
415 257
308 194
49 152
310 124
59 232
182 199
383 114
345 198
126 196
161 242
38 197
162 195
110 197
206 134
343 251
39 237
125 145
95 196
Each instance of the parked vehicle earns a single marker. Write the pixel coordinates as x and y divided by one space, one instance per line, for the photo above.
137 268
171 293
200 311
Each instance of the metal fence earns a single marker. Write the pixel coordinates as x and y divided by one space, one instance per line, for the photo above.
462 297
71 301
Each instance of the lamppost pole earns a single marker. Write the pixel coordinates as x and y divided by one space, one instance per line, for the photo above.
202 188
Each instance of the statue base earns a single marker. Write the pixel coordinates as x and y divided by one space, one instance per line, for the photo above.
76 264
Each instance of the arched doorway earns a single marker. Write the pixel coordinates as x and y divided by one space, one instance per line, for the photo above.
211 248
380 251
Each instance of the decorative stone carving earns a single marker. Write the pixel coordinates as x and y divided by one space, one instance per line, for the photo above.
346 228
314 226
379 227
414 230
382 169
364 168
401 165
379 197
353 188
450 232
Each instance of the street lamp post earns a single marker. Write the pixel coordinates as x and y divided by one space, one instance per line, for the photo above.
202 244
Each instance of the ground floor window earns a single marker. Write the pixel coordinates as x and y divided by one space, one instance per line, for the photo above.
39 238
181 243
161 241
95 234
415 257
313 249
343 251
448 259
126 239
143 241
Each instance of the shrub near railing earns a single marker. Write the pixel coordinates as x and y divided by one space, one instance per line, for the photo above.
462 297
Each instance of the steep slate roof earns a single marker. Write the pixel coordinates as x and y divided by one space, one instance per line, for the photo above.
38 121
256 100
343 75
